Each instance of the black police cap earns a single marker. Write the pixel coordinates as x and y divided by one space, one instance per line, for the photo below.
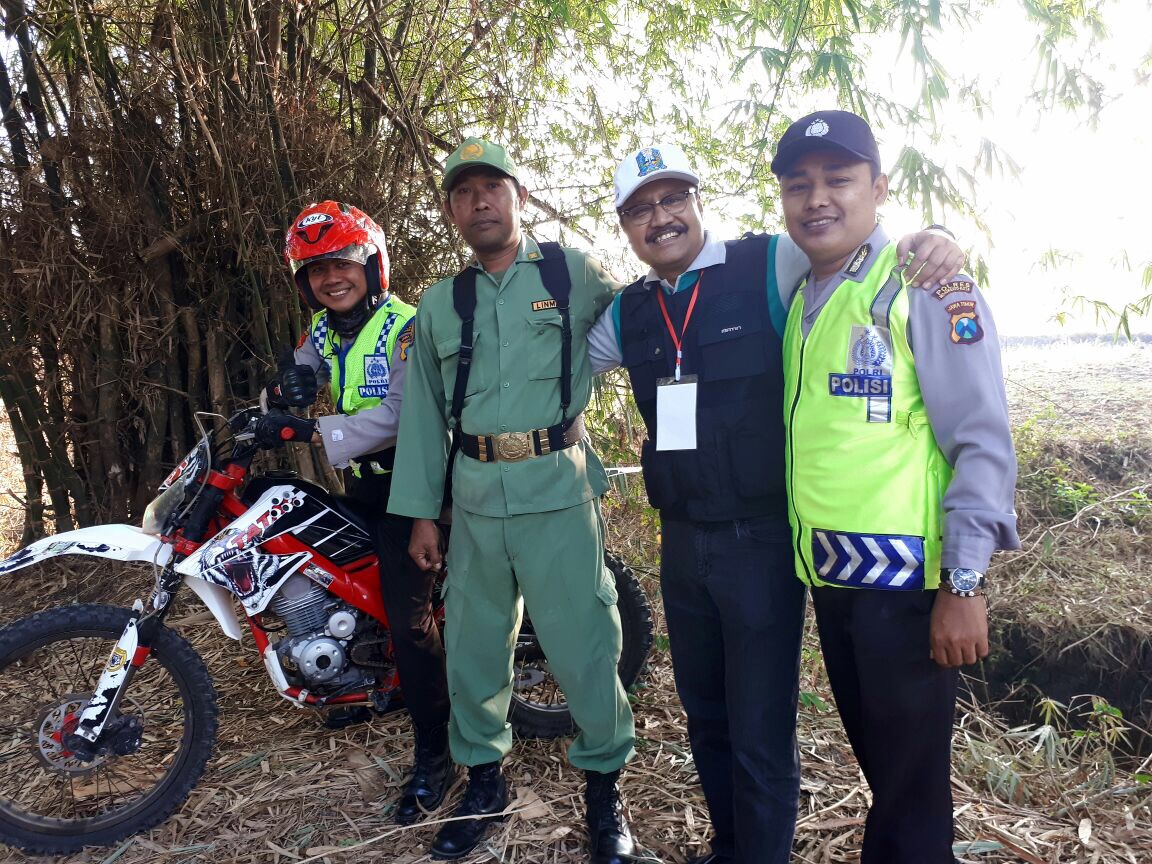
840 129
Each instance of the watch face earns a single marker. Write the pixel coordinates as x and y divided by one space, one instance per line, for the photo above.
963 579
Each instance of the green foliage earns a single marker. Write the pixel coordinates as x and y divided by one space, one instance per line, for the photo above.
1073 747
1057 487
813 702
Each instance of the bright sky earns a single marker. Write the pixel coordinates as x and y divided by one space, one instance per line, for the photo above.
1083 192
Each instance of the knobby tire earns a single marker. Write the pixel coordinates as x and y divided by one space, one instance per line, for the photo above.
52 803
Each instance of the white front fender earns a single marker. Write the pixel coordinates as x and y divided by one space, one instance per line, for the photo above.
219 603
118 542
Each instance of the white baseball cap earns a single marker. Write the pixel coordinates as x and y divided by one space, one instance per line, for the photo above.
658 162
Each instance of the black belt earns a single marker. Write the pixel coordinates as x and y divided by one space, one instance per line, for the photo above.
517 446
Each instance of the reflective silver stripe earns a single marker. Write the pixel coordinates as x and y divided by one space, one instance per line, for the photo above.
882 303
880 407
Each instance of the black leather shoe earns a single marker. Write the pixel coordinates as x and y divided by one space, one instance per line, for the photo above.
484 800
430 778
609 839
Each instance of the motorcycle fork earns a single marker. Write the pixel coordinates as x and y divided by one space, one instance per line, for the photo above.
129 654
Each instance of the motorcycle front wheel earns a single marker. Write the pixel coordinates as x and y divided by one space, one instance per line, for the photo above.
51 800
539 708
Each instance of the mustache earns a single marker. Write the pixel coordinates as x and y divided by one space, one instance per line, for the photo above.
664 229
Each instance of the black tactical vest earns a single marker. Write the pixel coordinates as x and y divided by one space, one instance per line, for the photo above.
737 468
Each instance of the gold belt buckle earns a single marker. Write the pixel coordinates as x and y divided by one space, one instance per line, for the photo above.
513 446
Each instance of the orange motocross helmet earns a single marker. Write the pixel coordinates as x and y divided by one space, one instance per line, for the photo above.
331 229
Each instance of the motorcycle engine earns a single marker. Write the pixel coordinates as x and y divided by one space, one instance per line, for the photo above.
320 629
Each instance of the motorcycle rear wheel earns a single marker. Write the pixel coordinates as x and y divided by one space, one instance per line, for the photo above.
51 801
539 709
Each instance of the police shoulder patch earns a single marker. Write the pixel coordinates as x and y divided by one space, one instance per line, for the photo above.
859 259
961 284
964 323
406 338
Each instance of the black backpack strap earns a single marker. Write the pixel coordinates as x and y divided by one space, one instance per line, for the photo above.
464 301
558 283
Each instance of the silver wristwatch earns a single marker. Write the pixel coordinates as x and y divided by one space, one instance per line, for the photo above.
963 582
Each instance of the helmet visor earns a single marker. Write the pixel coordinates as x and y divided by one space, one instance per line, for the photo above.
357 252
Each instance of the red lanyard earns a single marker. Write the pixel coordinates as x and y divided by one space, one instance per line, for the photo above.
678 340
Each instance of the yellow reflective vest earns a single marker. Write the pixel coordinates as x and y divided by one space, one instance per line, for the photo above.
865 476
360 371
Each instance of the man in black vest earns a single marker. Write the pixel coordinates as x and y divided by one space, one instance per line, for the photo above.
700 336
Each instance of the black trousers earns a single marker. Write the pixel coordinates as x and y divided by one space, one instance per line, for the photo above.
408 595
898 707
735 612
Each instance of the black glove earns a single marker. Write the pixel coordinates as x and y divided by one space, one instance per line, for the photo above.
273 430
294 385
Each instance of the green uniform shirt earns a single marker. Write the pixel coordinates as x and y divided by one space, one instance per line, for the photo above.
514 386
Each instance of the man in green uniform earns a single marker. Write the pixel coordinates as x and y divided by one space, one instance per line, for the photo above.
900 472
526 484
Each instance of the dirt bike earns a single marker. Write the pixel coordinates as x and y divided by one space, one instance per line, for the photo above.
108 717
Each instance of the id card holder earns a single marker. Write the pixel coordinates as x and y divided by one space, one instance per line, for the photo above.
676 413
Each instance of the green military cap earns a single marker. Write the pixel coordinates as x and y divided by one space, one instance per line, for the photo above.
477 151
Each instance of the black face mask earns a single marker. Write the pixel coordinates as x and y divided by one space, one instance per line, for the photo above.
348 324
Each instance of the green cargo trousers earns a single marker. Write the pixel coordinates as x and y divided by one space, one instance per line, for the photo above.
555 561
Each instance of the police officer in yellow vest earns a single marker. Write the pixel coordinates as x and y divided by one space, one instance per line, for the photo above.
900 476
526 486
359 338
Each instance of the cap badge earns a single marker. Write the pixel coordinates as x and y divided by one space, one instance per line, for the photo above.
816 129
471 152
649 160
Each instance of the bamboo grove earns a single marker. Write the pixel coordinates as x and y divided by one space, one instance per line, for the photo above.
152 152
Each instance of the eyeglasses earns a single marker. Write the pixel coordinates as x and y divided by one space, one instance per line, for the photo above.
642 214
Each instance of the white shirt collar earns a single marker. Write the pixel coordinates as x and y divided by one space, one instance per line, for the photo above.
713 253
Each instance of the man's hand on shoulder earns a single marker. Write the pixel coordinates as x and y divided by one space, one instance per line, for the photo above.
958 634
933 257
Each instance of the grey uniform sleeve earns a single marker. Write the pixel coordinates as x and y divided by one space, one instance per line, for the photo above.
957 356
604 342
346 437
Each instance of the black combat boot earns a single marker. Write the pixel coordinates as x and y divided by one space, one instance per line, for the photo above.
609 839
430 778
485 799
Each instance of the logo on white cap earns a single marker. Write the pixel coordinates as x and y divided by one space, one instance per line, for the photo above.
649 160
816 129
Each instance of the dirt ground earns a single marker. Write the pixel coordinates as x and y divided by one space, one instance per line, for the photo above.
283 789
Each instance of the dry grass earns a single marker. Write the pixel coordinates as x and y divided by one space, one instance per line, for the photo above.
283 789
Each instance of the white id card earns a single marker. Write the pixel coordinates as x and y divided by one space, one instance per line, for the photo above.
676 413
